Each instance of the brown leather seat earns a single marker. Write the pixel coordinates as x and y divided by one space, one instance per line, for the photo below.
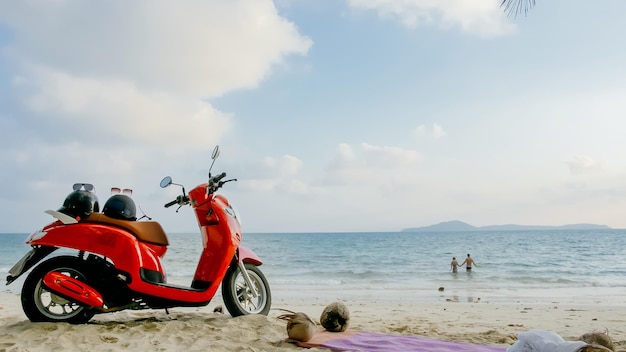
145 231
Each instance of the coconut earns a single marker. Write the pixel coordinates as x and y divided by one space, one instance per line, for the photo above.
598 340
299 326
594 348
335 317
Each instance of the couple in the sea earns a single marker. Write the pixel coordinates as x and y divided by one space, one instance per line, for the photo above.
468 262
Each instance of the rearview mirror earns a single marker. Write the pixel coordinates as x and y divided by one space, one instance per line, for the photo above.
216 152
166 181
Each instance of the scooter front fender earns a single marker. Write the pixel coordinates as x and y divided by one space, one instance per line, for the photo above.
74 289
248 256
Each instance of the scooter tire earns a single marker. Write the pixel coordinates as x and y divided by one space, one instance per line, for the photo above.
236 294
41 305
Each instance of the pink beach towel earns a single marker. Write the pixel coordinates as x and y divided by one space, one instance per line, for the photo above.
376 342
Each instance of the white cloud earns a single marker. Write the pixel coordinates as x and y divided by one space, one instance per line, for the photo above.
117 91
294 187
368 165
582 164
436 131
353 169
194 47
345 151
272 174
117 109
259 185
480 17
141 71
419 131
345 158
389 156
272 167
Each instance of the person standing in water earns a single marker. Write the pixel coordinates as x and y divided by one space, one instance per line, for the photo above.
469 263
454 265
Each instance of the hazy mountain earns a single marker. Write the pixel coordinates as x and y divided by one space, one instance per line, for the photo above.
456 225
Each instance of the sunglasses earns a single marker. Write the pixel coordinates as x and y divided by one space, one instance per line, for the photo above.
86 186
126 191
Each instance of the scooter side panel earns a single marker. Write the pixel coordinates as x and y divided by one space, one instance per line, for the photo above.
126 253
124 250
221 235
215 258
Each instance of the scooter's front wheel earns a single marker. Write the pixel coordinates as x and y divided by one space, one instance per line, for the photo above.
41 304
239 298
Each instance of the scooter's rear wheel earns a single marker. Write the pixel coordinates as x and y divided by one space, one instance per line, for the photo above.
40 304
239 298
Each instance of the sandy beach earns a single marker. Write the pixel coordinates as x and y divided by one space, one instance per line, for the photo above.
195 329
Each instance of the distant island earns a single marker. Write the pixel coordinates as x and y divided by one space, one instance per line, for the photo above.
455 225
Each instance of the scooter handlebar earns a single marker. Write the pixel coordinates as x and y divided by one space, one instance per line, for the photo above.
217 178
171 203
180 200
214 183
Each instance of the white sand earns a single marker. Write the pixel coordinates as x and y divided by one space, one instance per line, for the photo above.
199 329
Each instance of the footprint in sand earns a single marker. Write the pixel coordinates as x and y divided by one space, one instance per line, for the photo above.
109 339
49 326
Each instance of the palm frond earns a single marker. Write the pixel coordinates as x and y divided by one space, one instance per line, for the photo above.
516 7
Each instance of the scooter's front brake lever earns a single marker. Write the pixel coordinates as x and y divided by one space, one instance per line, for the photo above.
223 182
180 206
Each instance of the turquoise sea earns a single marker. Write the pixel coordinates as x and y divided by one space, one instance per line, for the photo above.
558 266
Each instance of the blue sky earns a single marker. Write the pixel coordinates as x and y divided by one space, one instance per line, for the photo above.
355 115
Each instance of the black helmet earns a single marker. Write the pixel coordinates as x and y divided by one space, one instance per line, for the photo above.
120 206
80 204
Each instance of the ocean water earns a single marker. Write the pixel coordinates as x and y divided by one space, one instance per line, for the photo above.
559 266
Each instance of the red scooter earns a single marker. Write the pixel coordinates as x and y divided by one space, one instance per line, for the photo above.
116 263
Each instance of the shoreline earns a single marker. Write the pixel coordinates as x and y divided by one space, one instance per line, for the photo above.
495 324
583 296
